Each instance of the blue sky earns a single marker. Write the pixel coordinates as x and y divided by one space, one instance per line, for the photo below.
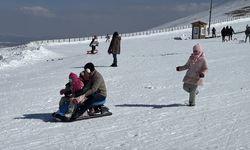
78 18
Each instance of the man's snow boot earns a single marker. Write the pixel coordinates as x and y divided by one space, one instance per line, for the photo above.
191 104
113 65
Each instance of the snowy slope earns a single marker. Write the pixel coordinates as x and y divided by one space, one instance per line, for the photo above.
144 93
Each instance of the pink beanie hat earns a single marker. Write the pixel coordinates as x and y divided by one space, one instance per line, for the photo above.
196 55
76 83
197 47
72 76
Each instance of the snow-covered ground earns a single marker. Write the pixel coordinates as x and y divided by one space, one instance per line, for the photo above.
145 96
144 93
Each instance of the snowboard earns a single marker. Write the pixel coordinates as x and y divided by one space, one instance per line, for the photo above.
95 52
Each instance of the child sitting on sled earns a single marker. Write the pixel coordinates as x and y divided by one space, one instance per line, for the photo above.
69 102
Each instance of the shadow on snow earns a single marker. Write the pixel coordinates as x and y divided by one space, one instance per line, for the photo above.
153 106
46 117
97 66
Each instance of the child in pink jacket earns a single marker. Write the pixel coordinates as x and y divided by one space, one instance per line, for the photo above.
75 84
196 67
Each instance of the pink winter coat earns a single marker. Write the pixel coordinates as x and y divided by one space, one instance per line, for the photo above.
194 70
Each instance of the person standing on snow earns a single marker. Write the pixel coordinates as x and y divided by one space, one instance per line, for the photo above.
247 33
231 32
114 48
213 32
196 67
223 34
93 44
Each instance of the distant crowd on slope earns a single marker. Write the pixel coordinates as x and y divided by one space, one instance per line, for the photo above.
229 31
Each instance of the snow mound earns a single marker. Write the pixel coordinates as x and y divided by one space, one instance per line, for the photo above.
24 54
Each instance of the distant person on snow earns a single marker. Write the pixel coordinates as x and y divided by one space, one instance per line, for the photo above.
69 102
107 38
231 32
196 67
223 34
213 32
247 33
114 48
93 44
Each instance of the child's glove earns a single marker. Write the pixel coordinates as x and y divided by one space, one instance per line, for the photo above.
201 75
62 91
75 101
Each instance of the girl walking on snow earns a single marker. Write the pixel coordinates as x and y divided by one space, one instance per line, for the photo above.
196 67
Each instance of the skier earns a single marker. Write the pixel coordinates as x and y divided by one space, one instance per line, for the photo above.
94 91
114 48
69 102
196 67
93 44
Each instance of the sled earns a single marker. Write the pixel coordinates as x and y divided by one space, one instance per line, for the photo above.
86 115
101 112
95 52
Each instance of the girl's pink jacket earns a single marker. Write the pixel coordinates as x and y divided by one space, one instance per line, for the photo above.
194 70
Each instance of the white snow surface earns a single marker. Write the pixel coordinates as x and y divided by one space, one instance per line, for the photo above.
145 96
144 93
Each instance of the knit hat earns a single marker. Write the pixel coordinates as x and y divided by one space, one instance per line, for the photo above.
197 53
72 76
76 83
89 66
197 48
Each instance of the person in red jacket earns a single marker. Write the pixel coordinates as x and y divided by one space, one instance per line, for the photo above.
196 67
68 102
